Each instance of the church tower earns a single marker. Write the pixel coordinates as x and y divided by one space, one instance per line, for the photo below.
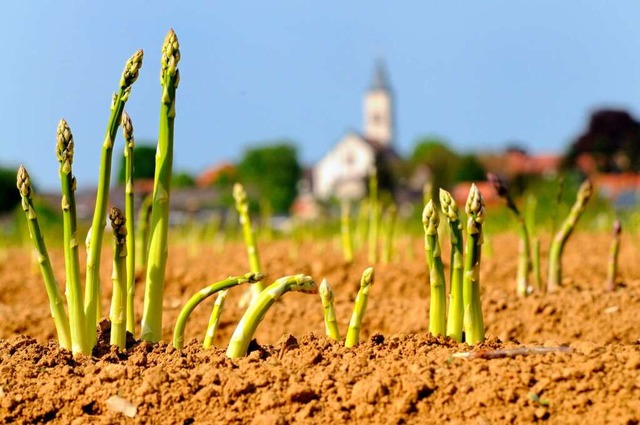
378 109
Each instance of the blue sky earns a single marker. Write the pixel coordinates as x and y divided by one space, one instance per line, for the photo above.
480 74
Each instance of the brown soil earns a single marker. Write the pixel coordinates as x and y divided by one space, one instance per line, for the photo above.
294 374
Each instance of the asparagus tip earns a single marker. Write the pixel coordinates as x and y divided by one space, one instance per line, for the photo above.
131 69
127 126
367 277
23 182
474 208
430 218
325 290
170 55
304 283
448 205
64 145
118 224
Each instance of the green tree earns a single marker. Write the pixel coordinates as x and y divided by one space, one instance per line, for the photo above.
271 172
144 163
469 169
182 179
9 195
442 161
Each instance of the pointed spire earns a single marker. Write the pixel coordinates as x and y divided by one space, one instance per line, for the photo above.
380 80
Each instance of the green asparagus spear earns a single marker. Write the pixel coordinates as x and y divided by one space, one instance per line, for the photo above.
524 250
330 322
612 269
559 241
203 294
456 304
473 319
157 256
94 248
78 326
56 305
345 230
359 307
118 312
247 326
127 132
438 303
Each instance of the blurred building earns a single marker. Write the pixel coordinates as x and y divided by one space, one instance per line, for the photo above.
343 171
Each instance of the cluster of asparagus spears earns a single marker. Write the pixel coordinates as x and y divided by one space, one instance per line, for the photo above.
77 332
525 261
465 308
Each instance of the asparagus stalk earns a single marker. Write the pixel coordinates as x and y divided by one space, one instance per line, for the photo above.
92 287
330 322
362 224
359 307
203 294
612 269
388 233
214 320
64 149
473 320
345 230
56 305
127 133
559 241
438 302
159 228
118 312
242 206
247 326
373 216
537 276
144 218
456 305
524 250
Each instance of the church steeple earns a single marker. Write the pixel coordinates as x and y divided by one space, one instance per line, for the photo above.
378 108
380 80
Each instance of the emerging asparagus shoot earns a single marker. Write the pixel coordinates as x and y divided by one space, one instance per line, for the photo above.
524 250
359 307
118 312
374 216
345 230
56 304
242 206
330 321
388 233
456 304
64 148
438 301
473 319
159 229
612 269
94 248
214 319
127 132
247 326
559 241
203 294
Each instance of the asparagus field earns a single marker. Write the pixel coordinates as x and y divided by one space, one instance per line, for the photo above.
370 324
398 374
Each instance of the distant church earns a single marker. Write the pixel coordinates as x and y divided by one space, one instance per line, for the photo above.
343 172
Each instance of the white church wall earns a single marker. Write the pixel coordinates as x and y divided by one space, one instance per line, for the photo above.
343 170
